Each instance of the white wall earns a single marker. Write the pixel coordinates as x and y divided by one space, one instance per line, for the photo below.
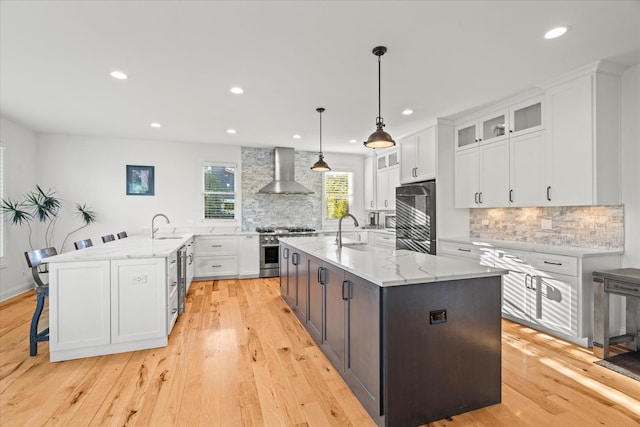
21 176
630 153
92 170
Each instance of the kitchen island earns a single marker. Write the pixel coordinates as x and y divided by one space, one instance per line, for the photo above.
117 297
417 337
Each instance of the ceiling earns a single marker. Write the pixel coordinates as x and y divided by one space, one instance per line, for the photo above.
290 57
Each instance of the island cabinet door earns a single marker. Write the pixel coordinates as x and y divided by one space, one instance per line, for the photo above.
363 341
334 342
138 299
285 254
78 305
315 314
302 286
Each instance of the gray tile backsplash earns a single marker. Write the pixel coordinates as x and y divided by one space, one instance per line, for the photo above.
260 210
581 226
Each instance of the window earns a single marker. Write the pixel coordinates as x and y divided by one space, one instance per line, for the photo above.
219 191
338 187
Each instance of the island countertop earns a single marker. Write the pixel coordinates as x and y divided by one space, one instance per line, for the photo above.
389 267
136 246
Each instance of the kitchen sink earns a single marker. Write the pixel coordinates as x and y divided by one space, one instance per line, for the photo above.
362 247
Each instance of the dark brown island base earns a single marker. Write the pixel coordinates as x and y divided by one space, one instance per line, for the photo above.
417 337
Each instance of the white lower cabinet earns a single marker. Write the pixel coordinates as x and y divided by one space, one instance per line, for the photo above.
138 299
216 256
111 306
249 256
549 292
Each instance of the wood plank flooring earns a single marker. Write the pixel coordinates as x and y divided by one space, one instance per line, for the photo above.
239 357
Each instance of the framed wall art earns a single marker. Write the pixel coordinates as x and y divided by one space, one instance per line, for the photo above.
140 180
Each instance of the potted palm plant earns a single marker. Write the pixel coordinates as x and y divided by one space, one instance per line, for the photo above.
43 206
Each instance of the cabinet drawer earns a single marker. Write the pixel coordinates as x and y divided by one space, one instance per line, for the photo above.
172 312
384 240
216 244
512 260
481 254
216 266
555 263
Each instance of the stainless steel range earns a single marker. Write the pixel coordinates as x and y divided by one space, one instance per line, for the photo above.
270 246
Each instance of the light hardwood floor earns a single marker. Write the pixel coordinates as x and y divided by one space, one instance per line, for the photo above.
239 357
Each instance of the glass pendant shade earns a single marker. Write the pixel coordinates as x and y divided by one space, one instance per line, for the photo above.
320 165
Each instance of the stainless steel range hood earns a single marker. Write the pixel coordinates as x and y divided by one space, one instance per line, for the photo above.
284 180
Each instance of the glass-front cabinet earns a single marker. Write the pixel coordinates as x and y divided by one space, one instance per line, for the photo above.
494 127
526 117
466 135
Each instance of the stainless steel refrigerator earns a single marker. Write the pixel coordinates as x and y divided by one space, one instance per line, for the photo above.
416 217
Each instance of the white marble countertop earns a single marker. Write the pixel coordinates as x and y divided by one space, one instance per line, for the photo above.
535 247
136 246
389 267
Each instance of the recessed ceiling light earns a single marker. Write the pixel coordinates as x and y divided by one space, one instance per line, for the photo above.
119 75
237 90
352 141
555 32
156 125
407 112
296 136
231 131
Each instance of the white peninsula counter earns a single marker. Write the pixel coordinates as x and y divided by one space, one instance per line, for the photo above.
417 337
116 297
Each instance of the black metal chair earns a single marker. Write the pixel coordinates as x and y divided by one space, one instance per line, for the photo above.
81 244
35 260
122 235
108 238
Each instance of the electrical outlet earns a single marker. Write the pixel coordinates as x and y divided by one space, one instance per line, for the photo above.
139 280
546 224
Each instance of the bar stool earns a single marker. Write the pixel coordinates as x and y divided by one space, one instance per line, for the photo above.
35 261
122 235
108 238
81 244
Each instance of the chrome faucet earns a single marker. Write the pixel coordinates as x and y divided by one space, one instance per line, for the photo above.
339 235
153 230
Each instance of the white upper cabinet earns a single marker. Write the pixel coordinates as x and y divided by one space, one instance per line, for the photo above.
529 170
526 117
584 140
418 154
370 183
387 178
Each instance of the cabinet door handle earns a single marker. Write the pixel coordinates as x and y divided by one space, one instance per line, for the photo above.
346 282
216 266
285 253
511 196
371 203
174 284
322 277
480 197
549 193
319 277
475 198
174 311
295 257
216 246
552 263
386 203
464 250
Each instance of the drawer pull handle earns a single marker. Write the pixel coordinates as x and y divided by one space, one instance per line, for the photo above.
553 263
174 311
216 266
174 284
216 246
464 250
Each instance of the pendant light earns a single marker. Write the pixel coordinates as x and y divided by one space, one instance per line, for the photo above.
380 138
320 165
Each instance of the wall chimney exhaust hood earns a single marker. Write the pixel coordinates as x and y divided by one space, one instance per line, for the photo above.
284 179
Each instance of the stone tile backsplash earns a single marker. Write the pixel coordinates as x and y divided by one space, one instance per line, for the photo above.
262 210
581 226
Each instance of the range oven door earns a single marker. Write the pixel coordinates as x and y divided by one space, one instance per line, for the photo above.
269 260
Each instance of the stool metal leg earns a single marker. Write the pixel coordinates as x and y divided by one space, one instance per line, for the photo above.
34 335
